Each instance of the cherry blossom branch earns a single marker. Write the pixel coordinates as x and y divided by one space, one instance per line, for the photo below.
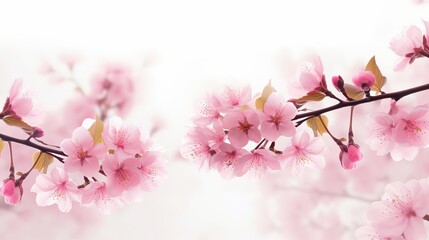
33 145
394 95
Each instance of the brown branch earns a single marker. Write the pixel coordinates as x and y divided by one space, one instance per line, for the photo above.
25 142
394 95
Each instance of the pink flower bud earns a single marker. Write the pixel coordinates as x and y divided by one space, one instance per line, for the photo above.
15 199
37 132
8 187
12 193
345 162
354 153
364 80
338 82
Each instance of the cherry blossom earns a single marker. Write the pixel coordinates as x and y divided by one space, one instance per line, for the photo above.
233 96
368 233
152 170
354 153
121 175
311 74
199 147
257 163
20 105
83 154
413 127
56 188
364 80
401 210
277 117
406 45
209 111
304 153
382 133
225 160
122 138
346 163
243 127
96 194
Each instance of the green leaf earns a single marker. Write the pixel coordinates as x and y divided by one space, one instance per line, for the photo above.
380 80
96 130
260 102
316 124
43 161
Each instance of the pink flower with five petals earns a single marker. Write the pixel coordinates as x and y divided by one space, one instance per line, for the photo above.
124 139
257 163
242 126
276 120
55 189
83 154
121 176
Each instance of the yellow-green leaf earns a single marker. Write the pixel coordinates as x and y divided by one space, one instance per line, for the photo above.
260 102
43 161
316 124
96 130
353 92
1 146
380 80
314 96
16 122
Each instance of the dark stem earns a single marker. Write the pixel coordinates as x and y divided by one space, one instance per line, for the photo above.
336 140
45 149
351 125
12 167
260 143
394 95
24 176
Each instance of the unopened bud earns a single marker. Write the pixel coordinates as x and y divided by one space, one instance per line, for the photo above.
364 80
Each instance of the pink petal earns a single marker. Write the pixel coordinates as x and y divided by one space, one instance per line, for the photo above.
415 229
232 118
237 138
82 138
16 88
68 147
22 106
308 81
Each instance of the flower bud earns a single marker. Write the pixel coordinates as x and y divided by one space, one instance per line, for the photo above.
364 80
8 187
354 153
37 132
345 162
338 82
11 192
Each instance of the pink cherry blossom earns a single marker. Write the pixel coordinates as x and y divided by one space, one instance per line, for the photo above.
311 74
426 23
405 44
243 126
83 154
401 210
354 153
368 233
226 158
96 194
257 163
413 127
113 85
124 139
121 176
383 133
209 111
276 120
233 96
20 105
364 80
152 170
199 147
11 192
56 188
304 153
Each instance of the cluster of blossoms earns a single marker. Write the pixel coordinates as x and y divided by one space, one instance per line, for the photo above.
231 135
400 214
115 160
400 132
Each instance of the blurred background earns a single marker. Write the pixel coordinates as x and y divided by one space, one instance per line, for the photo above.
173 52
